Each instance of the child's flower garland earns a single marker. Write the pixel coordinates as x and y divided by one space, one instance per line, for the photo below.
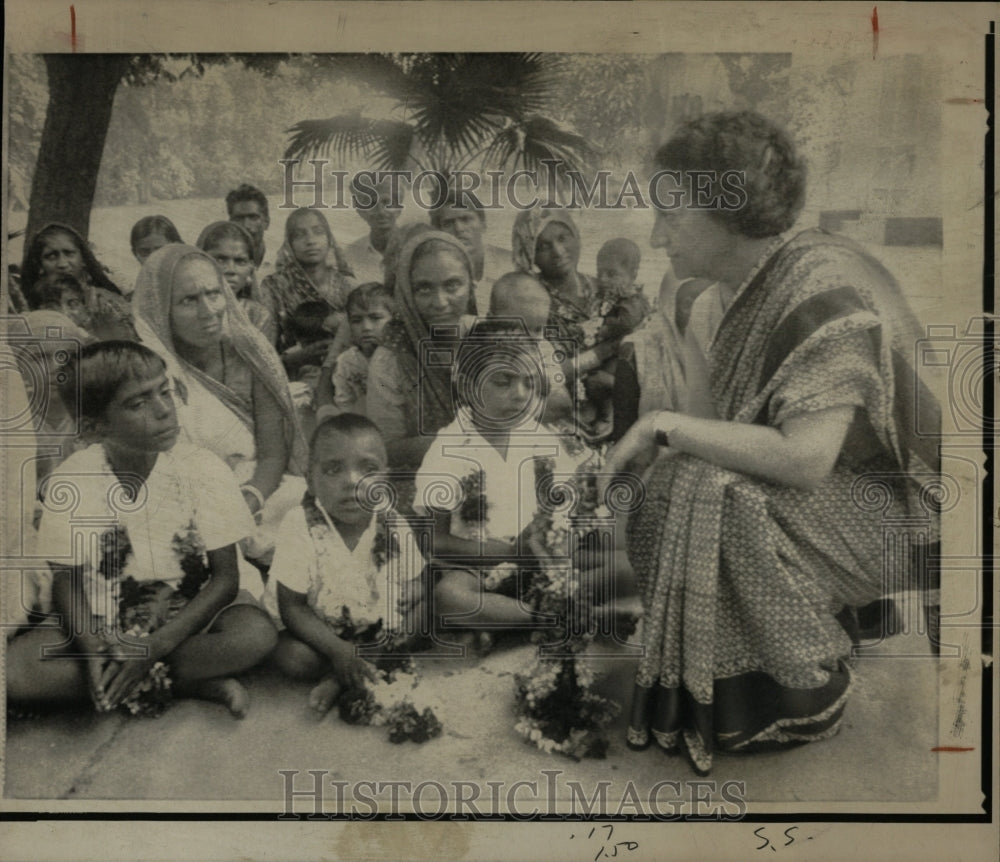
144 606
391 700
557 710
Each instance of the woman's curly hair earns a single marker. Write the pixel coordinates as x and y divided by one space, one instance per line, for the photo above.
774 176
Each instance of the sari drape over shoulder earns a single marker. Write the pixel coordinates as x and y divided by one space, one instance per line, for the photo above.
109 311
741 578
218 417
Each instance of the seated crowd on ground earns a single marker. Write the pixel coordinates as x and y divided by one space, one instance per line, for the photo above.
252 402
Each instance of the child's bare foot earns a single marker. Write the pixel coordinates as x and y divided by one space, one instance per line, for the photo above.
225 690
324 695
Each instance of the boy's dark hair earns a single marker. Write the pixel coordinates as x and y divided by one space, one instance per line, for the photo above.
93 379
491 344
307 318
364 296
342 423
153 224
246 192
623 250
50 289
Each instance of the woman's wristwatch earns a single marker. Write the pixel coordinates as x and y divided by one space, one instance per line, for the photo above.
666 424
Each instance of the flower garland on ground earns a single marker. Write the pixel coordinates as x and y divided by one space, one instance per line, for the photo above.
557 710
393 699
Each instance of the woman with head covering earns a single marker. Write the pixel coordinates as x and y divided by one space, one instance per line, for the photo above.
233 392
409 385
546 244
309 268
757 527
231 246
58 249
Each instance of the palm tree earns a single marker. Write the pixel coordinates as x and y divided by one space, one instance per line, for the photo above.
448 111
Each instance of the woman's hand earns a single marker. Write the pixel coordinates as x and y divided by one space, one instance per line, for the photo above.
638 440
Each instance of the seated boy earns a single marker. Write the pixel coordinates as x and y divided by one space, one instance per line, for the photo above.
339 578
149 608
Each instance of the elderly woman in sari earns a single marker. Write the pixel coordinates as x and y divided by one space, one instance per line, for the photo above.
751 538
233 392
310 268
410 394
231 246
59 250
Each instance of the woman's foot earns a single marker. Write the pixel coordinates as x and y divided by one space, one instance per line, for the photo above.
225 690
324 695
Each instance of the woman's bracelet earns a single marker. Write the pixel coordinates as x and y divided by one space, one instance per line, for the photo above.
255 493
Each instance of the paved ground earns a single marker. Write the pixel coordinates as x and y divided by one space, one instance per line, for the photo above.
197 751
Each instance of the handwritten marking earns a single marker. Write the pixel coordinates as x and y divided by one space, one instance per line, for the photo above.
952 748
874 31
609 851
72 28
759 832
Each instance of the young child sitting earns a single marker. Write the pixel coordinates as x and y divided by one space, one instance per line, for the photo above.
478 478
149 607
623 308
63 292
343 383
338 578
518 295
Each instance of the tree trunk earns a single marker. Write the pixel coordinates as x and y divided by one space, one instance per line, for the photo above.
81 93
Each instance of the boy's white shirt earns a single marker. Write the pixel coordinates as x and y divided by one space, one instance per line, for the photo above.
319 564
459 450
187 485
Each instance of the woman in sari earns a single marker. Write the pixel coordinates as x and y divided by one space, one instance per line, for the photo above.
546 244
409 392
58 249
231 247
232 388
310 268
753 534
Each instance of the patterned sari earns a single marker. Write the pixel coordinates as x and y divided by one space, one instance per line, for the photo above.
289 286
740 577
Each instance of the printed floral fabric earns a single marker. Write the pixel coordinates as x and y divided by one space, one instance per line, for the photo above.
189 492
343 586
741 578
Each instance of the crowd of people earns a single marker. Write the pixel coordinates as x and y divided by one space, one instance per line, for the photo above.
250 404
